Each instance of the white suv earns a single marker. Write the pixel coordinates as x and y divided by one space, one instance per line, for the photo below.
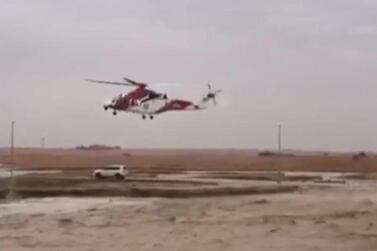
117 171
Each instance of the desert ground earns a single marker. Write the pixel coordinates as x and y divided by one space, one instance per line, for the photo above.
188 200
188 159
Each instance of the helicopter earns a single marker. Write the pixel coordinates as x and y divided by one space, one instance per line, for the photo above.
148 103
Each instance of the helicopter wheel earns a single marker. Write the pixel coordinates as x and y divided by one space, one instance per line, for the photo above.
151 117
105 107
143 117
114 112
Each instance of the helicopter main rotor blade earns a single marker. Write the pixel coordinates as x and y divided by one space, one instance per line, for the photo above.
209 87
133 82
108 82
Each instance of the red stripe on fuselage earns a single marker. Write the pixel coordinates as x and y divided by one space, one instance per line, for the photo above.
175 105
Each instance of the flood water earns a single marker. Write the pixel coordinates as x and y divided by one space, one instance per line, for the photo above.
5 173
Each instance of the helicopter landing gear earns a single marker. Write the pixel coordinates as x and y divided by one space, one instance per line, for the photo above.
114 112
105 107
145 116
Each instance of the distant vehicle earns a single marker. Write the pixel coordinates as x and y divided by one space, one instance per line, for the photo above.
116 171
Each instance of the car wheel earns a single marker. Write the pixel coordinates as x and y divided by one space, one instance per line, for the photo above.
119 176
99 176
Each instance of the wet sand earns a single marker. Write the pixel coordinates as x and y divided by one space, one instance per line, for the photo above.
315 217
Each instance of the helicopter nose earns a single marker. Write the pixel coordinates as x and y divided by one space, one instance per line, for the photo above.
108 104
115 101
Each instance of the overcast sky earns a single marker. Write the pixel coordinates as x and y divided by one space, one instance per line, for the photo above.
310 65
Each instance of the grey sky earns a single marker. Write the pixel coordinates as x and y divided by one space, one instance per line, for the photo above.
308 64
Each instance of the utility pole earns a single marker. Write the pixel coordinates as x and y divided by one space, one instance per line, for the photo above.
279 137
12 150
43 141
10 195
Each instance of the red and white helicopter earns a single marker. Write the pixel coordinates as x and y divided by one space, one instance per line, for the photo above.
149 103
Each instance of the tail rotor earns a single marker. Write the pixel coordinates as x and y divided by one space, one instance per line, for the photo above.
211 94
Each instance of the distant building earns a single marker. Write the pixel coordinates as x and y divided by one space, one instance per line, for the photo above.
275 154
98 147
